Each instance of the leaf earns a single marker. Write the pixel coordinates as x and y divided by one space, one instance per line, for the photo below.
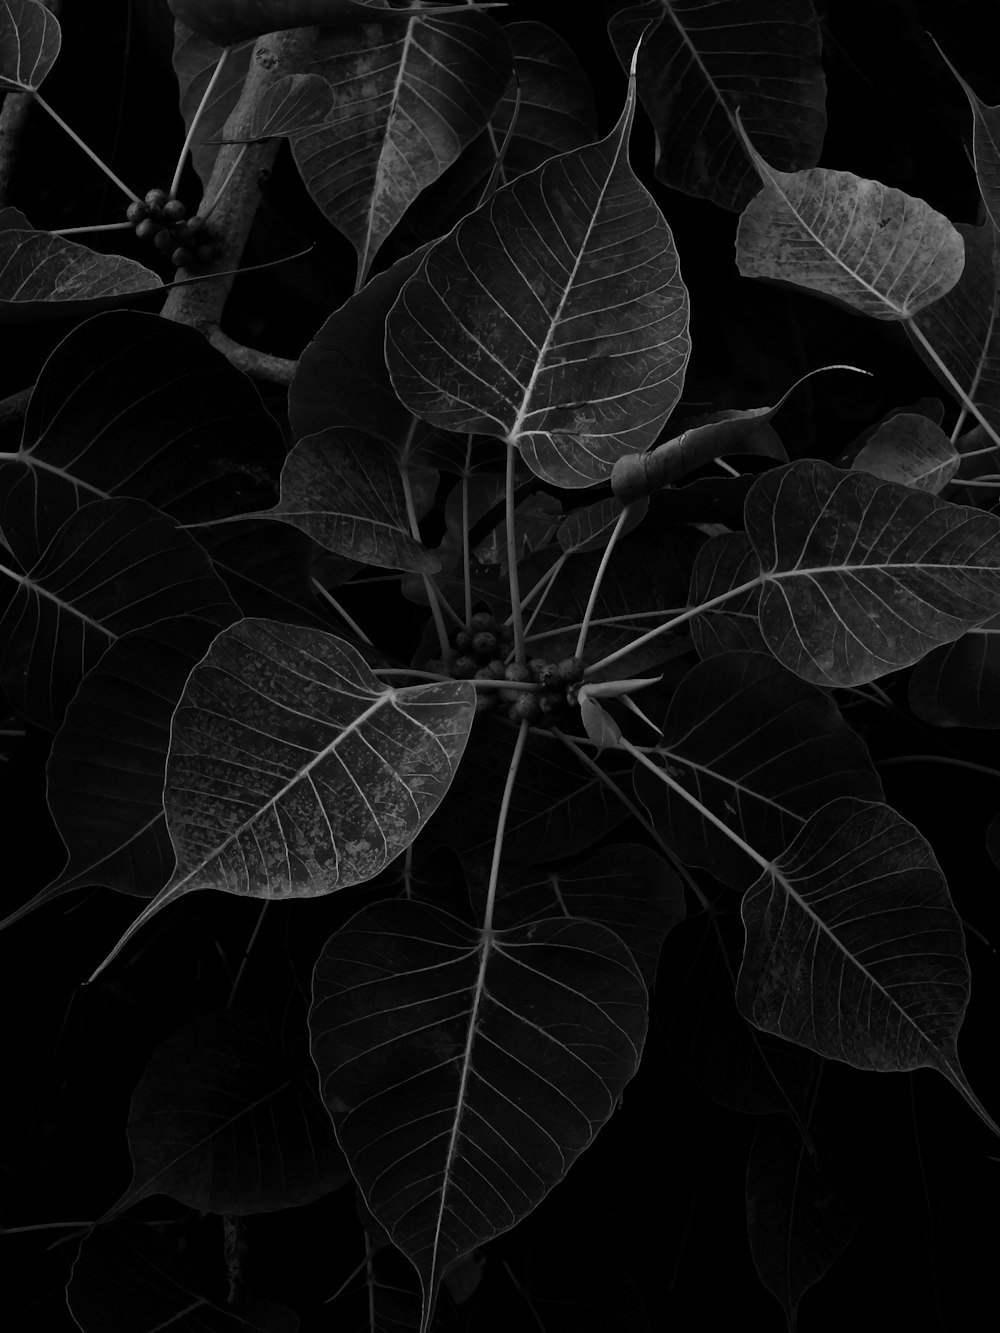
553 317
590 528
344 489
289 106
727 561
114 567
104 776
627 887
761 749
293 771
430 1038
860 577
407 98
134 404
194 60
854 949
225 1120
799 1217
126 1280
700 63
959 685
30 38
228 21
51 277
912 450
557 808
874 249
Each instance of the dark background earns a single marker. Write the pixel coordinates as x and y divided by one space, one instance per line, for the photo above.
661 1192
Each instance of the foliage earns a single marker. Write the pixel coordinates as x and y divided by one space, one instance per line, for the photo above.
474 642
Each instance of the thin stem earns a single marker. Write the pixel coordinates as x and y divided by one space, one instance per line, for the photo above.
89 151
595 589
542 586
508 791
429 588
246 956
41 1226
726 467
515 595
703 810
675 620
916 333
101 226
524 685
988 483
196 119
630 703
938 759
349 621
347 1280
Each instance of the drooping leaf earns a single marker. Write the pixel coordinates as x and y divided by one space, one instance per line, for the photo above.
293 771
194 60
114 567
126 1279
134 404
430 1049
860 577
629 888
227 1121
344 489
800 1218
30 38
864 244
959 685
553 317
104 776
700 63
557 807
759 748
912 450
53 277
854 949
407 98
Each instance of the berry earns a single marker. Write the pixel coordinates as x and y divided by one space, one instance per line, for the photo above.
155 199
484 644
137 211
486 701
517 671
463 641
536 665
570 670
206 253
174 211
482 620
525 709
164 241
489 672
551 702
499 668
464 668
548 674
146 229
182 258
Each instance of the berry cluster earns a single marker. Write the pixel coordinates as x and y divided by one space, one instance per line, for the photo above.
479 653
165 222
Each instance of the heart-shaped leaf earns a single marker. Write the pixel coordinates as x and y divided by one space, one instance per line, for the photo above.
407 98
876 249
910 449
345 490
30 38
227 1121
553 317
854 949
465 1071
727 561
114 567
51 277
126 1279
345 770
289 106
761 749
859 577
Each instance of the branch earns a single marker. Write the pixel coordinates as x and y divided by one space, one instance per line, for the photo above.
261 365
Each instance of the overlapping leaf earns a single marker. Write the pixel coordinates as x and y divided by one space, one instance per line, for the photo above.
553 317
126 1279
910 449
226 1121
854 949
590 528
114 567
289 106
344 489
727 561
30 38
761 749
407 98
860 577
466 1071
293 771
43 276
959 685
195 59
701 62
